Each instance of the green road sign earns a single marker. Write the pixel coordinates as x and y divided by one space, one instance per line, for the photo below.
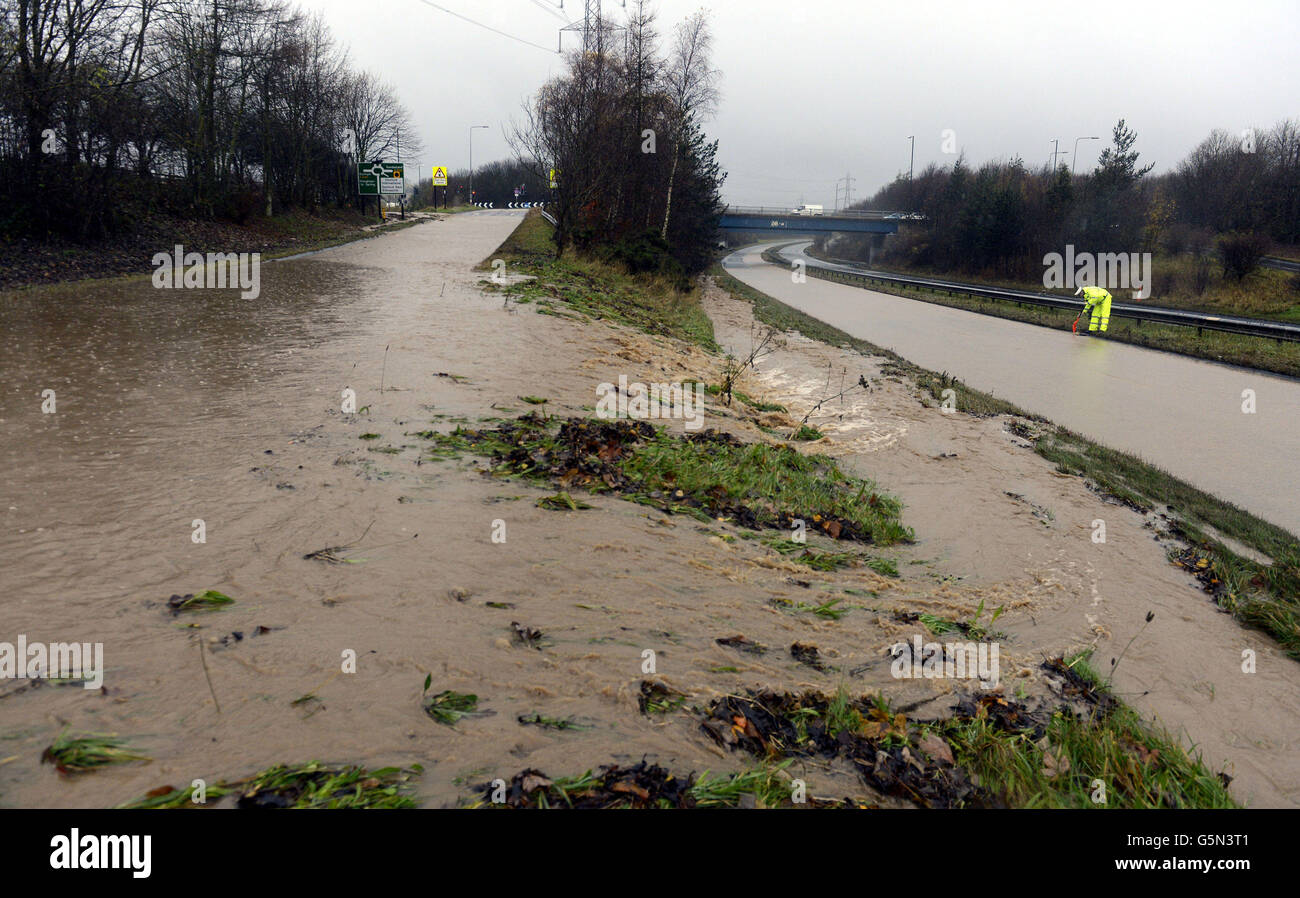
376 178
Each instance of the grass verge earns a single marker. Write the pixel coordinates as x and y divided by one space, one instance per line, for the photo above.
1089 751
1108 757
587 289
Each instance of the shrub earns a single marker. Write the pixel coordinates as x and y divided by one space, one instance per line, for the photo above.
1240 253
647 253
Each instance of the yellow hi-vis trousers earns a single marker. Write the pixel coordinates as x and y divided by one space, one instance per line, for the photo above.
1100 315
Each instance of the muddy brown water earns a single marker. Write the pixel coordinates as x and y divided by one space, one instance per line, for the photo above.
176 406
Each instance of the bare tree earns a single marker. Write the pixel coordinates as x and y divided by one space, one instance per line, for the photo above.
692 85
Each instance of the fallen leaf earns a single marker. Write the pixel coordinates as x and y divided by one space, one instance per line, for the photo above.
936 748
533 782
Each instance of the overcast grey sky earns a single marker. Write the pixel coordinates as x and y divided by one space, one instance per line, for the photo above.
817 89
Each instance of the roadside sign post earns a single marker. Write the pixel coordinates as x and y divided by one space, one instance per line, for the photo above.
440 180
381 179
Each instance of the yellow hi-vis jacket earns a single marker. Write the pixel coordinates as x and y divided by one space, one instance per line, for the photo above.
1097 302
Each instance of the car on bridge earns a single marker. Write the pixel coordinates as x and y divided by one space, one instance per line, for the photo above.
806 209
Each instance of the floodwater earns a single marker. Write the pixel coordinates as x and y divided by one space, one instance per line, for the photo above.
175 407
180 406
1180 413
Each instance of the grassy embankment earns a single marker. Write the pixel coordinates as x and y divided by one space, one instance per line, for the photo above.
585 288
1019 763
1264 294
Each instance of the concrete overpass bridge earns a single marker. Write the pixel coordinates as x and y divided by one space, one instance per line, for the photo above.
780 220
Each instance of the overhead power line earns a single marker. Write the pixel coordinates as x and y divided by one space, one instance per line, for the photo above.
559 14
452 12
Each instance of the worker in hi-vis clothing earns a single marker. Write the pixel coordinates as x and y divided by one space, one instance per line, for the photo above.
1096 303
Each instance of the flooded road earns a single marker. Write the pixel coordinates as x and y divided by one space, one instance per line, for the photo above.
1182 414
179 407
174 407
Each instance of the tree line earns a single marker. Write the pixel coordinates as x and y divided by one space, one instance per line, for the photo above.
1241 191
494 183
637 178
113 109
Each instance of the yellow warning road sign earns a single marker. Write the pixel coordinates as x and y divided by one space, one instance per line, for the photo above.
555 179
440 176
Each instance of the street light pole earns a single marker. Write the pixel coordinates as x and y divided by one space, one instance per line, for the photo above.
911 166
1074 163
1055 142
472 129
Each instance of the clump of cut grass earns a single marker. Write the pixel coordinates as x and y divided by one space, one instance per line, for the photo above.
803 554
885 567
445 445
448 707
806 487
301 787
534 400
829 609
937 625
864 733
767 786
562 502
171 798
646 785
973 628
208 600
806 434
708 475
81 754
315 785
656 698
551 723
756 404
